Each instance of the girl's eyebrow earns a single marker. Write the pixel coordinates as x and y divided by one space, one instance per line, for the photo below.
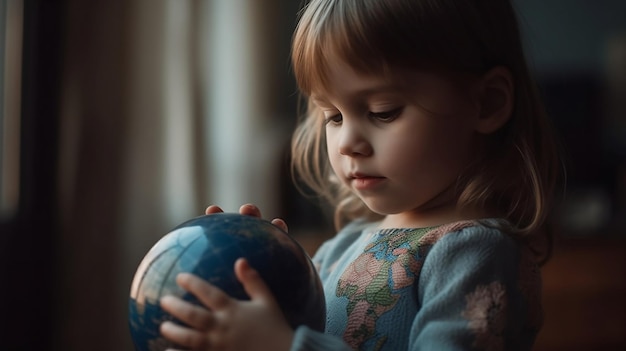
365 92
320 101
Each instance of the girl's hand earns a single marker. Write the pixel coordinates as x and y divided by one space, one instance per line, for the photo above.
224 323
249 210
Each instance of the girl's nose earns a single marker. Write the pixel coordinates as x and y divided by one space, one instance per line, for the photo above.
353 142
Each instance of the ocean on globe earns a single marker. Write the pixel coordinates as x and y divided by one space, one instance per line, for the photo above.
208 246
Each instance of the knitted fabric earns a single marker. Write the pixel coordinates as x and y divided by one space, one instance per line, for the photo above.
461 286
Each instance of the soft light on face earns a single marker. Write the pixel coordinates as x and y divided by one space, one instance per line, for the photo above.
398 142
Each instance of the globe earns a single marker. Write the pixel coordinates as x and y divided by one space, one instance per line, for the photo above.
208 246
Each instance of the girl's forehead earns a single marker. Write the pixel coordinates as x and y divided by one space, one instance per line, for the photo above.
323 72
341 76
344 79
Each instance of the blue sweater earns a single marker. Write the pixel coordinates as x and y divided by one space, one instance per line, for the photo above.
460 286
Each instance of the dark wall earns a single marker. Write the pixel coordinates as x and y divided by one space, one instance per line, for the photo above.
27 239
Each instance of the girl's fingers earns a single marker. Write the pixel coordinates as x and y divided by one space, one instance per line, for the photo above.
211 296
213 209
188 338
252 282
250 210
190 314
280 224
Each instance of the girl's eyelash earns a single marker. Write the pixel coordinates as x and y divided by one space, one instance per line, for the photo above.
334 119
386 115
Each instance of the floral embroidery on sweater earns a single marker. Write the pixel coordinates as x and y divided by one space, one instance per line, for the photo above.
387 264
371 282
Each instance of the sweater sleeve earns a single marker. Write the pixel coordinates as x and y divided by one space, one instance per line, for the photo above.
471 297
306 339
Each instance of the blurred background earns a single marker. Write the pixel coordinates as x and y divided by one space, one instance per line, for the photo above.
120 119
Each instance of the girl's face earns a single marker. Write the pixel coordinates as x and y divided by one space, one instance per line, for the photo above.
399 142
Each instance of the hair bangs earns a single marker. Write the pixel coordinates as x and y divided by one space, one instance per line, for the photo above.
351 32
371 36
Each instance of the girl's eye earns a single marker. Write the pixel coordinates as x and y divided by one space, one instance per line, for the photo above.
334 119
386 116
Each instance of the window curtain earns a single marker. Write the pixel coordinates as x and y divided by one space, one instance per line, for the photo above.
167 106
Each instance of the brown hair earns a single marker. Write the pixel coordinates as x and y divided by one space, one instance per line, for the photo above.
518 171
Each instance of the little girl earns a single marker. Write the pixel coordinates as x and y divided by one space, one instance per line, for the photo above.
425 131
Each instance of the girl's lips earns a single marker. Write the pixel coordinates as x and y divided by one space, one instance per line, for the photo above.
366 182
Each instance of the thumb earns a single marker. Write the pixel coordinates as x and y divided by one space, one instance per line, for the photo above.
252 282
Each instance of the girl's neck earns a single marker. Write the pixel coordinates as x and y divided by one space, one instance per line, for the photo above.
441 209
431 217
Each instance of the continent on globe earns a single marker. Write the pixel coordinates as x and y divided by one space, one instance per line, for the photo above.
208 246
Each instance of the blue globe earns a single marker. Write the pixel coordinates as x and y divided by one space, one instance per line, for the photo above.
208 246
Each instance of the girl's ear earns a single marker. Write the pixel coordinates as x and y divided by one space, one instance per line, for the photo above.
495 99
